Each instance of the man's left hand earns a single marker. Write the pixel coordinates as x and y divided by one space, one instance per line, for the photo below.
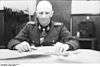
61 48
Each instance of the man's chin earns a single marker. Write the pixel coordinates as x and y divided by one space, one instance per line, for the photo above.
44 25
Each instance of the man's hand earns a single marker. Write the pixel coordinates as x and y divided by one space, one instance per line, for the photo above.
61 48
22 47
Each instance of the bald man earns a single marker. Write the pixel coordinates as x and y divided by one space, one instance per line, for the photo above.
44 32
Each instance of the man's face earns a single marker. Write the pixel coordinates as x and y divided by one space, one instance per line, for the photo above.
44 12
44 17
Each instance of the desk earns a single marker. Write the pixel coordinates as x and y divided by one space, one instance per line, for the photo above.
40 56
92 40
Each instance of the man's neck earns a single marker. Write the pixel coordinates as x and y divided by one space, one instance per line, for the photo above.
38 23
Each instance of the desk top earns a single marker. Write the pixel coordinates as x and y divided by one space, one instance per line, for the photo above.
87 39
46 55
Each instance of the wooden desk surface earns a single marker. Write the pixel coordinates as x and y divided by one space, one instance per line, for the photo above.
46 55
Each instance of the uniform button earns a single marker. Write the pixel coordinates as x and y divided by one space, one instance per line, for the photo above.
53 41
33 41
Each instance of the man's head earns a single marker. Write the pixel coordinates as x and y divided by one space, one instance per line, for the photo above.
44 12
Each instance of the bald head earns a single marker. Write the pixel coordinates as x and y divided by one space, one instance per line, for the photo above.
44 6
44 12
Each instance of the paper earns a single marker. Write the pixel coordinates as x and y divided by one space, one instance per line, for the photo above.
6 53
81 56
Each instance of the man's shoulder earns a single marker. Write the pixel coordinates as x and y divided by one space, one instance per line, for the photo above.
31 23
58 23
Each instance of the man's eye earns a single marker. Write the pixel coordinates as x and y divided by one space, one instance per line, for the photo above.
41 13
47 12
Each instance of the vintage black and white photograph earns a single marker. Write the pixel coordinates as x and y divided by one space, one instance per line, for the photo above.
49 31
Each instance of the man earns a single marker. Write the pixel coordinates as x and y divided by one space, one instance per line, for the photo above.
43 32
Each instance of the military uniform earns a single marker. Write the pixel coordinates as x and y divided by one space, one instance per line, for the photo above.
36 35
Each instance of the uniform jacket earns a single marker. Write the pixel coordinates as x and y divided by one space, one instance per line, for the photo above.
57 33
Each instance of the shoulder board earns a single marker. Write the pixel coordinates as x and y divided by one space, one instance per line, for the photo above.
58 23
31 22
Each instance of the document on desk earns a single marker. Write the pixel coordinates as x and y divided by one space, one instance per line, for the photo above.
6 53
82 56
77 56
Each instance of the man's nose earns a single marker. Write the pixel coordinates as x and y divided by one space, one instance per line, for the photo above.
44 15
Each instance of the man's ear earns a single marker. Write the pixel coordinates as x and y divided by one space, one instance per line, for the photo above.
52 12
36 14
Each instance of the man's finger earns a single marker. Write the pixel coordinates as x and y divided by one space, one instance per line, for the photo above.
22 47
19 49
61 50
28 47
33 47
58 50
25 47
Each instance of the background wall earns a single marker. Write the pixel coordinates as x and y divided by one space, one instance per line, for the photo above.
1 27
97 24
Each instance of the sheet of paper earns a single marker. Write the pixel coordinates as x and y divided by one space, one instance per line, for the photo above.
6 53
81 56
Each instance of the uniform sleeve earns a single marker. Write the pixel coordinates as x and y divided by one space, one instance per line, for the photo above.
65 37
22 36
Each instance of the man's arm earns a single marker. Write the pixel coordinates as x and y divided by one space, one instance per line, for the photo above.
22 36
67 38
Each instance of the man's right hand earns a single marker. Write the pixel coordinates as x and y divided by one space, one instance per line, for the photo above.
22 47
